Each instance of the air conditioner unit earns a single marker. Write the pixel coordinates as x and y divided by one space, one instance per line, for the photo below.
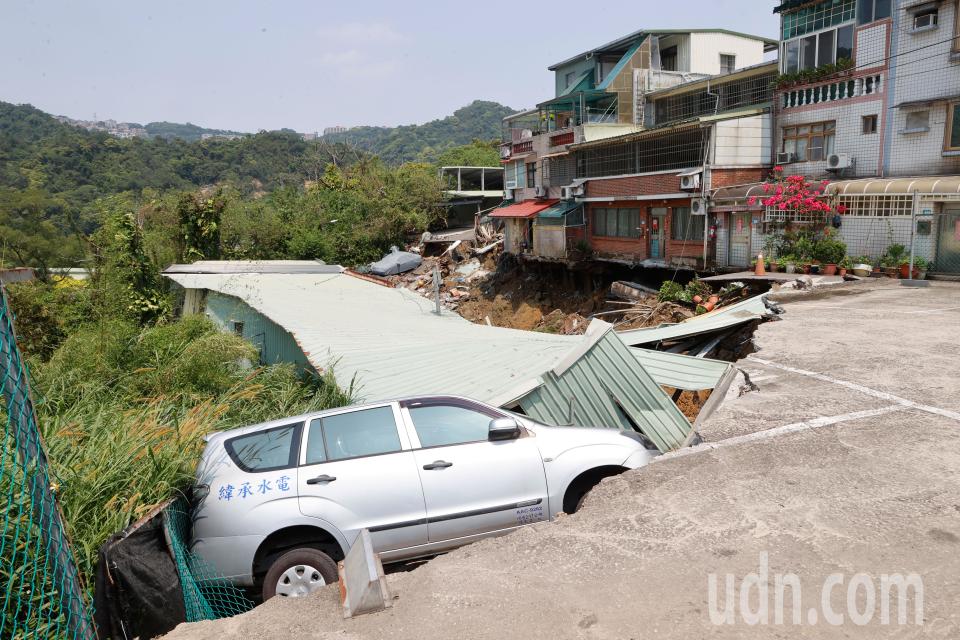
540 191
785 158
698 206
837 161
690 182
504 151
924 20
508 194
572 191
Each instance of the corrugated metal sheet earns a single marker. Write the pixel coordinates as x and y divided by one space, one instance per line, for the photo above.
682 372
887 186
605 386
750 309
386 343
254 266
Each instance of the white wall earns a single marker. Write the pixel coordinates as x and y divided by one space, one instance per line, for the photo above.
924 70
871 46
705 50
743 141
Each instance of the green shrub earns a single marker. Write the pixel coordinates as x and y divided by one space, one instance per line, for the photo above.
670 291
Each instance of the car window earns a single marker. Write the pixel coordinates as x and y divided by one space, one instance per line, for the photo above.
360 433
316 451
439 425
263 450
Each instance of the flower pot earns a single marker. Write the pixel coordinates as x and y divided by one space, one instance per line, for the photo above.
829 269
774 267
697 299
890 272
922 275
708 305
806 268
814 269
791 268
862 270
904 270
843 272
713 299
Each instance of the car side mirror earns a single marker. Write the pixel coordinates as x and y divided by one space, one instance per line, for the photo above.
503 429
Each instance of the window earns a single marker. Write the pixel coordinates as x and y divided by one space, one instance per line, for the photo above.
953 127
917 122
728 63
265 450
440 425
616 223
531 174
367 432
870 10
869 124
518 173
686 226
809 142
668 59
818 49
956 28
568 80
817 17
238 327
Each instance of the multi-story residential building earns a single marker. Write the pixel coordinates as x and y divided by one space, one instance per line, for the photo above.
870 93
337 129
596 123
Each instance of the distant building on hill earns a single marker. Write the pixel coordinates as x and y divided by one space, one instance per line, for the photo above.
337 129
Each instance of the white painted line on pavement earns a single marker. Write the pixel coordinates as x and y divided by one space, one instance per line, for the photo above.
932 310
776 432
883 395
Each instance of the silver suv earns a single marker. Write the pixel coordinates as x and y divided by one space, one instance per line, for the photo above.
285 499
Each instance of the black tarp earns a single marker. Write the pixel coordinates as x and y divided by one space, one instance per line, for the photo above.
138 591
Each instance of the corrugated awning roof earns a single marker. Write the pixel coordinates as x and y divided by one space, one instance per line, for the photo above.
560 209
254 266
680 371
525 209
888 186
739 191
750 309
384 343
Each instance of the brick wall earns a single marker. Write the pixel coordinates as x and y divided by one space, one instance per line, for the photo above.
634 186
731 177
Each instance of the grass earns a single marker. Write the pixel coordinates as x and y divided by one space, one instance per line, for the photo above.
124 412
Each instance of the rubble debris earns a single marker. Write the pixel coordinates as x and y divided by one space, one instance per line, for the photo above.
396 262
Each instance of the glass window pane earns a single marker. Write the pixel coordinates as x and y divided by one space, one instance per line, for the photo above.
790 146
361 433
955 131
815 151
918 120
599 222
882 9
444 425
623 223
828 144
263 450
845 43
801 149
865 11
316 452
826 49
793 56
804 131
808 52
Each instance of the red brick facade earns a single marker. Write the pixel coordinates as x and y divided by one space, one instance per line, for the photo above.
732 177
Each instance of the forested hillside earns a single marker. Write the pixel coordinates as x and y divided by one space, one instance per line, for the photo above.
479 120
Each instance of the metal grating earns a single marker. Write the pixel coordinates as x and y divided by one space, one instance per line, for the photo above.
717 98
666 152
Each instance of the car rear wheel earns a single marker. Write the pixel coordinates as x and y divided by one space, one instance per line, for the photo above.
298 573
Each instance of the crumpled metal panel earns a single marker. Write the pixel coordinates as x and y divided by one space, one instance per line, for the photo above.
750 309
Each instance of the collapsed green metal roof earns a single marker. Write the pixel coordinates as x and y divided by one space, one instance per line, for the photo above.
680 371
747 310
604 383
560 209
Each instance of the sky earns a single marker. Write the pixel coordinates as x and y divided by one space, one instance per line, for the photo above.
249 65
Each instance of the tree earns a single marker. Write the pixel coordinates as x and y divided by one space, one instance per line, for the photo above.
200 218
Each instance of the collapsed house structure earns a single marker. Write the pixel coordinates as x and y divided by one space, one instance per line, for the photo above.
383 342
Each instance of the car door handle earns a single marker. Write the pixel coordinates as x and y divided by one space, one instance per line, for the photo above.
437 464
321 479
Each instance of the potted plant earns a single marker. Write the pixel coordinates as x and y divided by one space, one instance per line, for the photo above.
774 265
814 267
786 264
920 266
829 250
844 266
892 258
862 266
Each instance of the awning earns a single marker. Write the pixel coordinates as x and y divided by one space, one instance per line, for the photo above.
525 209
560 209
739 191
892 186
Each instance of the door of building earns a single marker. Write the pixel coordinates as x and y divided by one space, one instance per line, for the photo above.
658 216
739 234
948 241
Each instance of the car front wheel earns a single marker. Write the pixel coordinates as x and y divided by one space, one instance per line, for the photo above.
298 573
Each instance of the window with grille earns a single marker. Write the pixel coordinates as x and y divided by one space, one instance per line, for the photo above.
917 122
869 124
953 127
816 17
810 142
728 63
680 150
616 222
878 206
685 226
870 10
720 97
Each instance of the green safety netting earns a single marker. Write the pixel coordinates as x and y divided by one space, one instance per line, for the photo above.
206 594
42 596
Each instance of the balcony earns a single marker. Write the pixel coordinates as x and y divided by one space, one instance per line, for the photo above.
832 91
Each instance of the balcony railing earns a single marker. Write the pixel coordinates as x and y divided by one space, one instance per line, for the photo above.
832 91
